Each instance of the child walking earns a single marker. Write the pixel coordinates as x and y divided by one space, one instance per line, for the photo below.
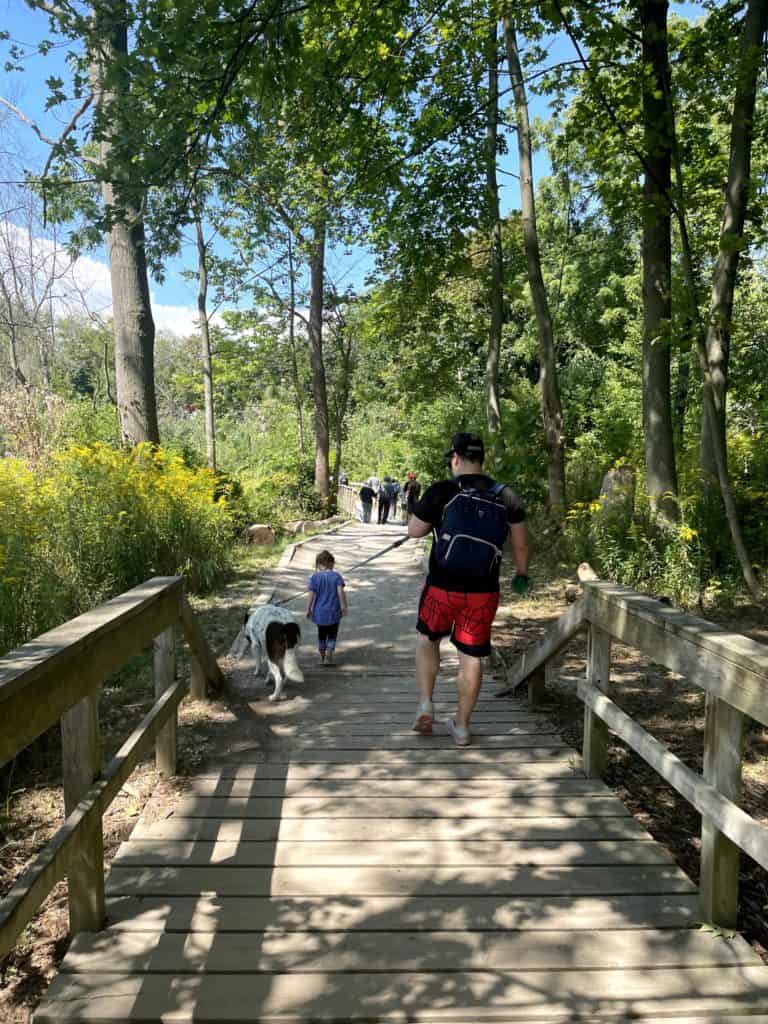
327 604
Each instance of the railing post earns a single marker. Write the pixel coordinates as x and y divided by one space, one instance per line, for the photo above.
723 737
197 679
536 687
81 764
595 754
165 673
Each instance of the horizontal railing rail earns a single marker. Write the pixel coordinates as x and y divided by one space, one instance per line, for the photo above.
729 667
57 678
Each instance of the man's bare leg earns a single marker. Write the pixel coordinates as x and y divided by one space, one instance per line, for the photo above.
427 665
468 685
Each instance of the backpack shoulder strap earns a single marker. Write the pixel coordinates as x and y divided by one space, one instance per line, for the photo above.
497 490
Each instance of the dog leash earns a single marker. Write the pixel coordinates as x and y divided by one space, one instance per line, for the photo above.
385 551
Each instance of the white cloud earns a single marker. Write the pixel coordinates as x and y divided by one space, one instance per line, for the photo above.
82 286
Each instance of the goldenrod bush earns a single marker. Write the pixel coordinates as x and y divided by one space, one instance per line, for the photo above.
93 521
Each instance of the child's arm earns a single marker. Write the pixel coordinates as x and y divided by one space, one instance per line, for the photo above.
310 605
342 598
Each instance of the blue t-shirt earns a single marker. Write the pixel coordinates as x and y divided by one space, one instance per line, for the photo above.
327 607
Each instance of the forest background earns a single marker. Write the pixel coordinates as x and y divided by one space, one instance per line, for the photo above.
328 175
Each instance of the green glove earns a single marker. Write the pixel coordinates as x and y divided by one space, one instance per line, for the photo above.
521 584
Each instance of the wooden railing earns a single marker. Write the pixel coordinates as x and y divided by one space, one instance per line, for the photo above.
57 677
732 669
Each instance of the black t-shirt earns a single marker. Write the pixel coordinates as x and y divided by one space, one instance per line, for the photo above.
430 510
366 495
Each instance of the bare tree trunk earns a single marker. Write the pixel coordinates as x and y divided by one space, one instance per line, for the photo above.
718 333
292 341
205 344
345 349
658 436
132 313
319 391
550 392
496 283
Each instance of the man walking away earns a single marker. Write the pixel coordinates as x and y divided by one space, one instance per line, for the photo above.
471 517
366 496
385 497
394 489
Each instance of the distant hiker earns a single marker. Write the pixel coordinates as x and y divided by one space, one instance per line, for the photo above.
395 489
327 604
471 517
374 483
385 497
412 490
366 495
343 479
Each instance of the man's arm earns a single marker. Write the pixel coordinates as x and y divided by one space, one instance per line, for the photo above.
418 528
518 538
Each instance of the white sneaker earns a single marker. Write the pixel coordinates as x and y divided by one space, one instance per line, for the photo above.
425 716
460 733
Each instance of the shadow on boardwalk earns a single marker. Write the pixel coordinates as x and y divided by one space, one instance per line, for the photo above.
338 867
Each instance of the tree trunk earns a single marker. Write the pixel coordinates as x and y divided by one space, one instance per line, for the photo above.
550 392
753 29
718 333
319 391
131 310
496 283
205 344
658 435
292 341
342 405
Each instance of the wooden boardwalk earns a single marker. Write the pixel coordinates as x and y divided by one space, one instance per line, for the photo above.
347 869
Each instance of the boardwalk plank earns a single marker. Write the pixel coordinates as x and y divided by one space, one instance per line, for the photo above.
203 913
417 996
403 853
563 768
387 880
431 789
342 806
383 830
233 953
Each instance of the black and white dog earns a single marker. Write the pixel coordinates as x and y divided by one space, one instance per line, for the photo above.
274 635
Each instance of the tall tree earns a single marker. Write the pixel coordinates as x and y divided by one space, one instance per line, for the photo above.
205 341
493 215
319 390
123 198
658 437
732 239
550 391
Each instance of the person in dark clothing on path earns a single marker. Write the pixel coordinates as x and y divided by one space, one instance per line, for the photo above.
472 517
412 490
385 497
366 500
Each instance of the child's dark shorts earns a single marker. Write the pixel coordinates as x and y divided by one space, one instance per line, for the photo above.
466 618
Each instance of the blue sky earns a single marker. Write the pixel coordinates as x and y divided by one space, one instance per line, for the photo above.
28 91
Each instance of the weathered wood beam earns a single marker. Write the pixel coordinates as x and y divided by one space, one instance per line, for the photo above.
46 677
557 636
595 752
57 858
205 668
726 664
748 834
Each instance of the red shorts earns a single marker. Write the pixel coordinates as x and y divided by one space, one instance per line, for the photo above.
466 618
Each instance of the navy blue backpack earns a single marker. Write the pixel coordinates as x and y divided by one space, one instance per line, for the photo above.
472 532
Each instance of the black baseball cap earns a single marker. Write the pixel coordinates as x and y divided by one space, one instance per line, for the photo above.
469 446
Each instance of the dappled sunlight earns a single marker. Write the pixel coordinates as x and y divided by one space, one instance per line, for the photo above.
342 867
